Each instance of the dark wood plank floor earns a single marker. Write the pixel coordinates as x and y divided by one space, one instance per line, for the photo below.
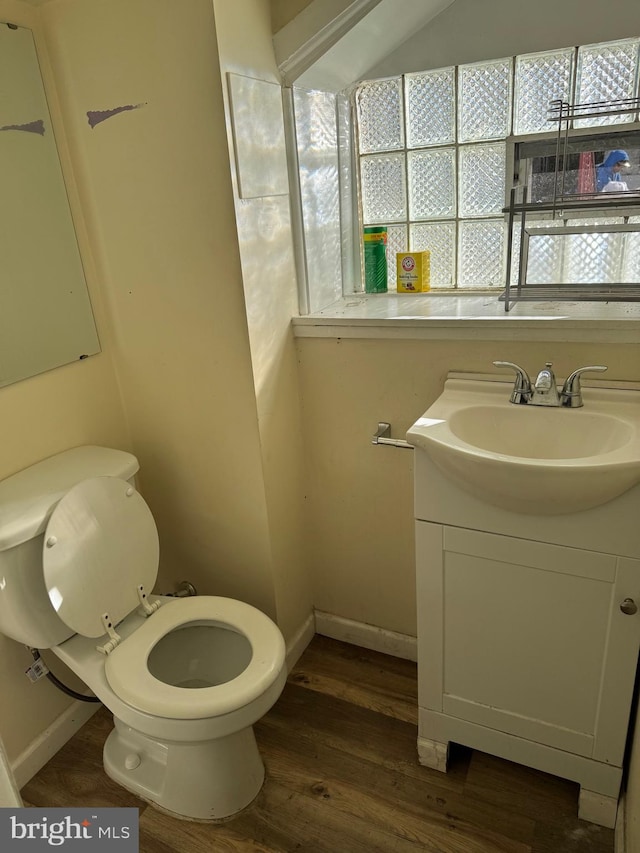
343 777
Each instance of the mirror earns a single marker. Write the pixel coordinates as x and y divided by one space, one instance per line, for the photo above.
45 313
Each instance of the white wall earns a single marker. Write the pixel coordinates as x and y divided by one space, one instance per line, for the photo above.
360 496
283 11
469 31
269 278
205 353
156 183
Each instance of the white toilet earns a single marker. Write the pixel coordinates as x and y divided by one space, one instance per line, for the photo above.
185 678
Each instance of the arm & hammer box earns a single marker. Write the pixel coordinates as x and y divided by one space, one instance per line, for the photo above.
413 271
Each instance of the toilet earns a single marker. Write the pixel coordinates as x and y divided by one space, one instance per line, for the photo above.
185 678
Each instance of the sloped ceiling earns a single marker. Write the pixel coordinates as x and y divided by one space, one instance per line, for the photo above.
315 51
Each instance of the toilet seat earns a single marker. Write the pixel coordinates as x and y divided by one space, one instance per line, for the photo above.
128 675
100 547
100 561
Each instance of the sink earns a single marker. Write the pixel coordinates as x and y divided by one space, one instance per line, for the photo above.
540 433
533 459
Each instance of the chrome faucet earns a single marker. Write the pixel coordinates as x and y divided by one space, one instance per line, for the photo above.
544 391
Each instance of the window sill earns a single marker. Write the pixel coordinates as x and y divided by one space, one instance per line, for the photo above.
432 316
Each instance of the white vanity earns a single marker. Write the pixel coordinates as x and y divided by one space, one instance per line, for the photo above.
528 580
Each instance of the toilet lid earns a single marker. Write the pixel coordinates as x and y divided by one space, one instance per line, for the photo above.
100 545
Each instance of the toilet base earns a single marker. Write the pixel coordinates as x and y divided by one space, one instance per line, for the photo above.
206 780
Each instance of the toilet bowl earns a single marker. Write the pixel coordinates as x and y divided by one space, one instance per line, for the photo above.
184 699
185 678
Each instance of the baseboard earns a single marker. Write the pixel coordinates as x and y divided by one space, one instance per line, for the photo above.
299 642
35 756
9 794
620 837
367 636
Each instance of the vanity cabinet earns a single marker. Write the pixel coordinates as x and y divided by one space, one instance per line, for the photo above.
527 639
528 630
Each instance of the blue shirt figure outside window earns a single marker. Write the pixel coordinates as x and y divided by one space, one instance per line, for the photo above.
615 162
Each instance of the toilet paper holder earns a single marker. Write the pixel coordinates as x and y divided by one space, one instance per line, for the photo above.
383 436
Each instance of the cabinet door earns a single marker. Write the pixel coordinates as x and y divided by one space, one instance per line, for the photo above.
527 638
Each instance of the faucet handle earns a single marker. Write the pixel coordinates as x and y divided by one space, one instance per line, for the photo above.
522 388
571 394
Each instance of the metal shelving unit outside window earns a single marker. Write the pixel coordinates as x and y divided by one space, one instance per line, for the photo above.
604 226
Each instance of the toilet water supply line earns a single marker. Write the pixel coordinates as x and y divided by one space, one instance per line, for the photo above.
52 678
185 589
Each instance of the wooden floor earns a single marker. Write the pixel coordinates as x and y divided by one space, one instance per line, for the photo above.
343 777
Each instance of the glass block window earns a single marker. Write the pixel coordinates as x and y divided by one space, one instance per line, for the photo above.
540 79
481 185
631 259
432 149
383 181
593 258
607 72
396 242
545 259
480 253
432 183
440 239
380 119
435 126
317 144
484 100
605 258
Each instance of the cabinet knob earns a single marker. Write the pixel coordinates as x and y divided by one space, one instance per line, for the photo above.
629 606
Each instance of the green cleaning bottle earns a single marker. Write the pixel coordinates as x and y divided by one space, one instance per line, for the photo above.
375 259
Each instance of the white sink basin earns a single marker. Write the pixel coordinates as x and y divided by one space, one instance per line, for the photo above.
533 459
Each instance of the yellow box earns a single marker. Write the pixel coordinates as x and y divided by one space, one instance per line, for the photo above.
414 272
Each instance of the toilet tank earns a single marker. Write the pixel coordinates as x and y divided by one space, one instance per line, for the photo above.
27 500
